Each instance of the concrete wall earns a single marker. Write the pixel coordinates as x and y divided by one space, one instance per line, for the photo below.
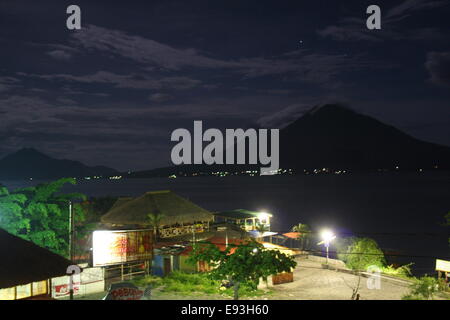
91 280
332 262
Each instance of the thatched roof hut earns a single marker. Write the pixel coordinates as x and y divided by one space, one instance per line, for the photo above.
173 208
22 262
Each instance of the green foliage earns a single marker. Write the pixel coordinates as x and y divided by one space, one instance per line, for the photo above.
146 281
425 288
191 283
360 253
95 208
40 214
154 219
245 265
401 272
305 234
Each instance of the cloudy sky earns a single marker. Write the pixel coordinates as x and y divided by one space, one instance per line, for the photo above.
112 92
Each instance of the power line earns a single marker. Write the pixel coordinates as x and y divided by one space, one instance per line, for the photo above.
331 252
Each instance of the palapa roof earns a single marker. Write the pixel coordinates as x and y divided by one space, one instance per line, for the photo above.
174 209
23 262
120 201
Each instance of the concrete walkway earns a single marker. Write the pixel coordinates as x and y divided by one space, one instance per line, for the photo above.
312 282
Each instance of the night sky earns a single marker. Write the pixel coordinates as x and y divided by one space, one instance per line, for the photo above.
112 92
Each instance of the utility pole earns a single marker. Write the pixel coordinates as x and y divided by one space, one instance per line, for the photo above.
70 231
71 243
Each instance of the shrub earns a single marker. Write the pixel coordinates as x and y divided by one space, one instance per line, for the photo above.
424 289
402 271
190 283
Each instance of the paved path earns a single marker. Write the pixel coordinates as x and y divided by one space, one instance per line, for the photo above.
311 282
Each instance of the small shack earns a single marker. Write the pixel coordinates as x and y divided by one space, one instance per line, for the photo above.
26 269
246 219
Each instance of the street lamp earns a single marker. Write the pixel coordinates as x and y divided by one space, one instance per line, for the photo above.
326 236
263 216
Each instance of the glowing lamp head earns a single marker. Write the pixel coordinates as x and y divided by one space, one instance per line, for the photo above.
327 236
263 216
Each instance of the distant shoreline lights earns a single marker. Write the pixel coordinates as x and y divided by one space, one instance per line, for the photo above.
213 152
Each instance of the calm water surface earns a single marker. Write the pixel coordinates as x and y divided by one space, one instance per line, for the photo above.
403 212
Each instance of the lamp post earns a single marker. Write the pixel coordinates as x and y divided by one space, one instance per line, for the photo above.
327 236
71 221
264 220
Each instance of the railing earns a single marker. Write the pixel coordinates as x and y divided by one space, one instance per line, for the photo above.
178 231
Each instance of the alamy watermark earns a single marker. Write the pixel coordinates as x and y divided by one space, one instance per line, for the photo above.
374 279
221 150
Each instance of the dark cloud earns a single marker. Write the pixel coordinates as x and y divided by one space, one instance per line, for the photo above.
438 66
355 29
283 117
160 97
312 67
8 83
143 50
349 32
129 81
60 55
403 10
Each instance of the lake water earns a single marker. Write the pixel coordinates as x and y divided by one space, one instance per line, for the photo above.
403 212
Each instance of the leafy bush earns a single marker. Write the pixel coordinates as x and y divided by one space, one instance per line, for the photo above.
424 289
360 253
190 283
248 263
402 271
146 281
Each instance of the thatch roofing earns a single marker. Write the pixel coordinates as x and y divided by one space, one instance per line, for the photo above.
23 262
120 201
174 209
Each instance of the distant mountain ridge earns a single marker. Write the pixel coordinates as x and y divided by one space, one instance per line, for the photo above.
336 137
30 163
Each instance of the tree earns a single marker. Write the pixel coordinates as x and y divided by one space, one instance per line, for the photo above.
154 220
93 209
40 214
424 289
261 228
304 234
244 263
360 253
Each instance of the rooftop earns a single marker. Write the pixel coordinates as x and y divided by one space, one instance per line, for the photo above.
23 262
173 208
